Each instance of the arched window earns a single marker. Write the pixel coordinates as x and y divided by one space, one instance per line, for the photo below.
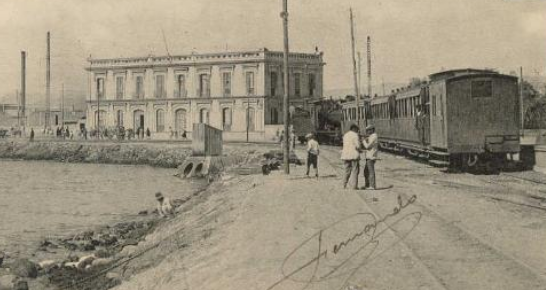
204 116
138 120
160 121
180 123
251 119
226 119
119 118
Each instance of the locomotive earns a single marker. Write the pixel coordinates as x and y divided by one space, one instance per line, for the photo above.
469 117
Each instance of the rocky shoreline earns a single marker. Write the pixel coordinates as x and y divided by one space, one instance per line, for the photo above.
92 259
82 261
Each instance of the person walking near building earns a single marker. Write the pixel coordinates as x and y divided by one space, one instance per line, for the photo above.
351 156
148 133
31 134
312 153
370 144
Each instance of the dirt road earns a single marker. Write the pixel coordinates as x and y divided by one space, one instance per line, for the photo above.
427 230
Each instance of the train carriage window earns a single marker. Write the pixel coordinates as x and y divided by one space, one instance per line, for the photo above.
433 109
481 89
411 107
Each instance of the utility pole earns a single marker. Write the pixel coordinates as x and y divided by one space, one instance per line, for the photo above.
369 47
359 69
286 157
522 114
357 94
22 99
99 92
247 115
48 82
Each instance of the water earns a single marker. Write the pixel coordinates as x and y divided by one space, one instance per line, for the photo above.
43 199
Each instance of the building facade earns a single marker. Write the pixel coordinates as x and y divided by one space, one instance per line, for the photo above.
238 92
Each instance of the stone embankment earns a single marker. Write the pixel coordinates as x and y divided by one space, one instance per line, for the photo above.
157 155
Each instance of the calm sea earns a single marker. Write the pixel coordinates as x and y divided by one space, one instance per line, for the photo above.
40 199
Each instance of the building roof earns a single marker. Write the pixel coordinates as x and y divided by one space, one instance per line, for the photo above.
203 59
457 72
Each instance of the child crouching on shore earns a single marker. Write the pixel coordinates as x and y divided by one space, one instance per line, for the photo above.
164 206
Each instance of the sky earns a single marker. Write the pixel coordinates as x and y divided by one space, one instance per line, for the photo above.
410 38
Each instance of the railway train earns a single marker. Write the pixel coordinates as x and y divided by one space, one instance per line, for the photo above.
469 117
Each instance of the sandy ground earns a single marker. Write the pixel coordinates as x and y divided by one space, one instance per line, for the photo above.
426 230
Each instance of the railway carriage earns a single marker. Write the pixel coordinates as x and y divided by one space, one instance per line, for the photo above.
469 117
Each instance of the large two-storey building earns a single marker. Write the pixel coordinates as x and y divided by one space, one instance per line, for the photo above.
238 92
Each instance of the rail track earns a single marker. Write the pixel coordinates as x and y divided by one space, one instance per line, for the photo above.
455 249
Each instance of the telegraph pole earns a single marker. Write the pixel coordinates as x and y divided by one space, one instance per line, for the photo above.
22 98
359 69
521 98
48 82
286 157
357 94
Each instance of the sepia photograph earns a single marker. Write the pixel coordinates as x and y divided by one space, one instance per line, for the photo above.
273 145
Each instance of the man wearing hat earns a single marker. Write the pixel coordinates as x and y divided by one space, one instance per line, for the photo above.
164 206
370 144
312 153
351 156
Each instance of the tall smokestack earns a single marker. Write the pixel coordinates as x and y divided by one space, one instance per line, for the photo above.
48 82
22 98
369 67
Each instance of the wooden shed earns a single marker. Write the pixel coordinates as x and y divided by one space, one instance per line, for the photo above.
206 140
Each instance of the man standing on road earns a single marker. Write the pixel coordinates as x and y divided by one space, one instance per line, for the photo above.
351 155
312 153
370 144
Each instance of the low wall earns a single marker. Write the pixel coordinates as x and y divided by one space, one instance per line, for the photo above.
158 155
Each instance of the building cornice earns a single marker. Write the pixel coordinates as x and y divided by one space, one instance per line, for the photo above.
225 58
153 100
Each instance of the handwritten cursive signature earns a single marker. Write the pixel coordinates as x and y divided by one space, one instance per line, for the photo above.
324 257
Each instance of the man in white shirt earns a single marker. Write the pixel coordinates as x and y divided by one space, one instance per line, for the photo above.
312 153
370 144
351 156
